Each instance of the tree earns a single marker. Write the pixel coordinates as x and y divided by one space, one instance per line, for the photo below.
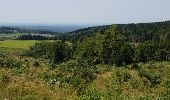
146 51
86 51
106 47
56 52
62 52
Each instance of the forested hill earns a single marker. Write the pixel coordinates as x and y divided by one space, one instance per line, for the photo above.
82 33
146 31
11 30
135 33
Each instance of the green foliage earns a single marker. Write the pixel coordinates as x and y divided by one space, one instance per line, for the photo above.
150 50
102 68
153 77
27 97
91 94
18 70
167 84
107 48
160 55
123 76
85 72
56 52
134 66
145 98
146 51
4 79
85 51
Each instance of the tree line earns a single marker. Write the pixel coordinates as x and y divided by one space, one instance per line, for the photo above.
33 37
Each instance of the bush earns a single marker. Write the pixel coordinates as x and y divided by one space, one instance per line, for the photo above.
4 79
36 64
81 70
57 52
153 77
123 76
160 55
91 94
145 98
8 61
101 68
134 66
167 84
18 70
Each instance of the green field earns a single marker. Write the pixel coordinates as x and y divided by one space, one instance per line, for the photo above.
14 36
21 44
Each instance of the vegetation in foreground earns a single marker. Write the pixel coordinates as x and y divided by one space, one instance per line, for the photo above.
31 79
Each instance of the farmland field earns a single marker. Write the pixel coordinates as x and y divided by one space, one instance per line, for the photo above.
20 44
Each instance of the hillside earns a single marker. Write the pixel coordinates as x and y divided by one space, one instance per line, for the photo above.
135 33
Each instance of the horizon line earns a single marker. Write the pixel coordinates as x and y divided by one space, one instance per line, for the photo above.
70 24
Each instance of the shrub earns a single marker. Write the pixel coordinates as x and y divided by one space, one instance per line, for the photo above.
27 97
82 70
135 83
101 68
18 70
8 61
123 76
167 84
91 94
4 79
36 64
134 66
153 77
145 98
160 55
79 84
57 52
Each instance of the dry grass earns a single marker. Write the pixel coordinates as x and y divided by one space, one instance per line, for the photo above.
136 87
29 86
28 83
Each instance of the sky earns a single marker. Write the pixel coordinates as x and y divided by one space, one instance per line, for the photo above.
83 11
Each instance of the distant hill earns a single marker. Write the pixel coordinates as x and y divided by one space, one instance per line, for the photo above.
136 33
12 30
52 28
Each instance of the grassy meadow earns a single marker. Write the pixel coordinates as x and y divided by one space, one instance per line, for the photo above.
19 44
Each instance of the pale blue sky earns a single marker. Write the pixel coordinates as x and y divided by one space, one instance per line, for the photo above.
83 11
